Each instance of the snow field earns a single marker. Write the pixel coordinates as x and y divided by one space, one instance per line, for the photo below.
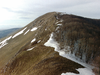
82 71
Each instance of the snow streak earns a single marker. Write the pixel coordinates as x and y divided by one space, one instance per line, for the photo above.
30 49
35 28
4 42
33 40
19 33
26 32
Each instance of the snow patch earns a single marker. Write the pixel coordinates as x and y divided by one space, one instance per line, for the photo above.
33 40
26 31
39 41
69 73
30 49
59 24
19 33
45 29
33 29
4 42
57 28
82 71
59 21
2 45
52 43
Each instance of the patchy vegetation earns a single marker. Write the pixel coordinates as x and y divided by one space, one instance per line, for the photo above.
81 34
41 61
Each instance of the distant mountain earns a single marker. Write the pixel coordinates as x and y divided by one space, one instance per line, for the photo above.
53 44
4 33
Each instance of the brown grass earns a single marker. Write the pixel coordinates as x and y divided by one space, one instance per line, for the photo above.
44 60
41 61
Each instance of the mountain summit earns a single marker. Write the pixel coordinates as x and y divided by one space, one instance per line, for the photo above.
53 44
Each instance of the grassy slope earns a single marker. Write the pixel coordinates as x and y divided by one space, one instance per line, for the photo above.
41 60
17 43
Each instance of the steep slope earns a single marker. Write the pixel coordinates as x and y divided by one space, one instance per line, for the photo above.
25 53
20 39
20 59
4 33
81 34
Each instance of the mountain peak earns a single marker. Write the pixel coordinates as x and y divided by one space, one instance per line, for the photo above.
31 50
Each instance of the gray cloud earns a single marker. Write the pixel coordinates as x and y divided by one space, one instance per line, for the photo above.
40 7
24 18
19 11
31 9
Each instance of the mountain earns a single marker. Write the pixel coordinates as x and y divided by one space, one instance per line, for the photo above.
53 44
4 33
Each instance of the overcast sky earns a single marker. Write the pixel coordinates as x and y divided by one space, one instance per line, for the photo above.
18 13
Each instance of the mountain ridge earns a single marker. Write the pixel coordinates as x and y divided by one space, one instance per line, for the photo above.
21 49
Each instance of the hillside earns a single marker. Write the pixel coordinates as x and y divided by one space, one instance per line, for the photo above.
52 44
6 32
